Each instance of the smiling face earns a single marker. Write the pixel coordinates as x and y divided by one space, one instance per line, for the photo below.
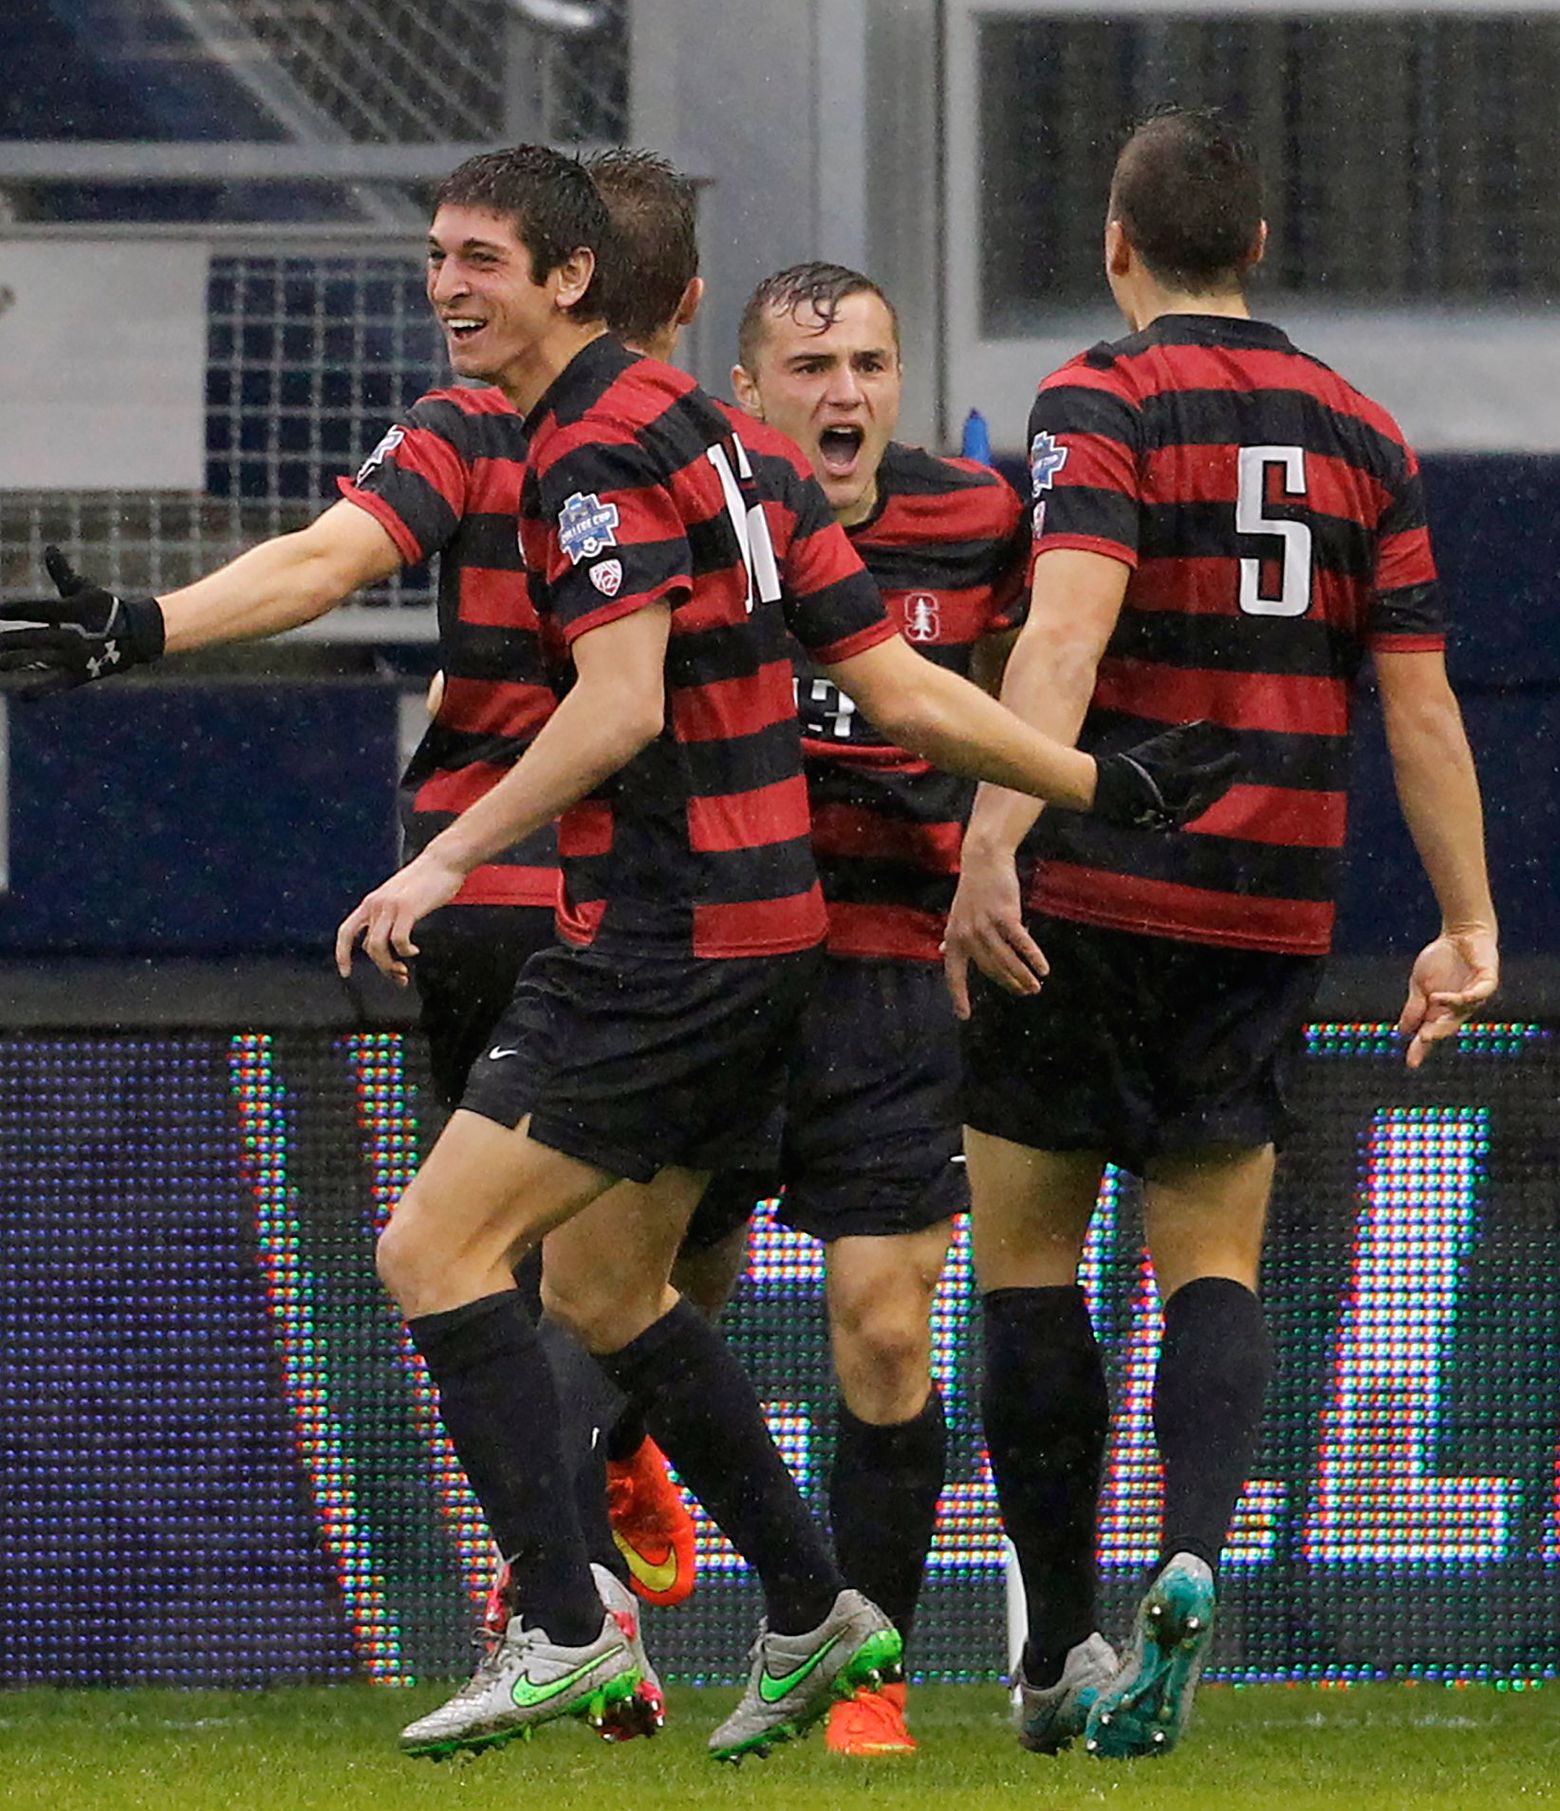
480 284
834 387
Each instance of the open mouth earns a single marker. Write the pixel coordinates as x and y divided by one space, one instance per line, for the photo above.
838 448
462 327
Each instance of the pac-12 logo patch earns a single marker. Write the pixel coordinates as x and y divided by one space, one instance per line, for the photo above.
1046 459
380 453
607 576
923 617
585 526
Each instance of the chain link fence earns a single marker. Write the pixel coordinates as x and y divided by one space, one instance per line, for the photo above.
398 71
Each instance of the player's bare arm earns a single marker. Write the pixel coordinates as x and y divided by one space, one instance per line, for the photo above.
615 708
1438 790
1075 598
1158 784
957 726
87 633
281 583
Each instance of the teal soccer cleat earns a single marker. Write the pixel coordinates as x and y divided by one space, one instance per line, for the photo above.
1145 1709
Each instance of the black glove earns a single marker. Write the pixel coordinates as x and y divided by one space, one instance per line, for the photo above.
1166 781
84 634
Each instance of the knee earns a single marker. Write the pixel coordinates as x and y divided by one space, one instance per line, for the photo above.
579 1311
602 1319
395 1258
882 1352
406 1260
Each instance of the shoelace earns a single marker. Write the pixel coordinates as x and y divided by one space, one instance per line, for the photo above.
755 1653
492 1643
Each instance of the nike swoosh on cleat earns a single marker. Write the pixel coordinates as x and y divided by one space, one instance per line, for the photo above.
772 1690
503 1050
655 1575
528 1694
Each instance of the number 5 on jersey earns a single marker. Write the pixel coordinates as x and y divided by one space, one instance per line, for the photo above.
748 520
1251 493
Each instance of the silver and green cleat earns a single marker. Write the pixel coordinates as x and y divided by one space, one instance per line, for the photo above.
795 1678
1047 1718
522 1681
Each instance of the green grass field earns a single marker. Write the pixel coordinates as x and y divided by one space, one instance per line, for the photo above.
334 1749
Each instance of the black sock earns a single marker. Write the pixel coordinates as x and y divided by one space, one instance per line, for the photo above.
588 1404
627 1434
500 1409
883 1505
705 1417
1047 1414
1213 1374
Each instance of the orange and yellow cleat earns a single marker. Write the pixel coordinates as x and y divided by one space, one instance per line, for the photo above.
872 1724
651 1526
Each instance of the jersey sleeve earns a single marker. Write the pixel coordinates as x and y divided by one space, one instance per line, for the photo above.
416 482
1083 465
1009 603
832 605
604 532
1407 613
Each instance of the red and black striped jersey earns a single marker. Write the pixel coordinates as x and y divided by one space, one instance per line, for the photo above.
1273 522
641 490
446 481
946 543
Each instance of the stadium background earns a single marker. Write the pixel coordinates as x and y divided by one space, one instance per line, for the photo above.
219 1464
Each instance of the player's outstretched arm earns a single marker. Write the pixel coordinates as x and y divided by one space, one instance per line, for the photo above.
87 633
615 708
1438 790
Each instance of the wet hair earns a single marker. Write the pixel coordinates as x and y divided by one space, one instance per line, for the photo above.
1188 194
655 252
549 200
817 287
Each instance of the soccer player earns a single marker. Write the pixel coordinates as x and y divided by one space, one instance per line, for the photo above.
666 565
1225 528
872 1161
443 481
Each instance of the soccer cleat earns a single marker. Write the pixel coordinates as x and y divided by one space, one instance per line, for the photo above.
651 1526
871 1725
794 1678
522 1681
1145 1709
1049 1717
643 1712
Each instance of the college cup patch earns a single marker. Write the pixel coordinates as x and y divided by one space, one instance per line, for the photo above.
1046 459
607 576
585 526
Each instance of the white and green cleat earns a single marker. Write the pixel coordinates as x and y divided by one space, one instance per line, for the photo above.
522 1681
1145 1709
1047 1718
795 1678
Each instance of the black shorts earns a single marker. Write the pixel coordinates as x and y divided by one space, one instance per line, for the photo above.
635 1062
469 959
1138 1046
871 1140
